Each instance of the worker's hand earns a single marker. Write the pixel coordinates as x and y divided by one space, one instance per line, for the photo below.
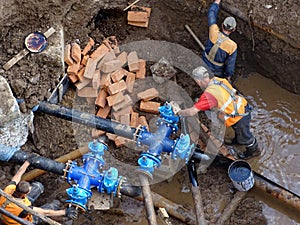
72 213
175 107
218 1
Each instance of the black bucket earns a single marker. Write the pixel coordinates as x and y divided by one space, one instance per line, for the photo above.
241 175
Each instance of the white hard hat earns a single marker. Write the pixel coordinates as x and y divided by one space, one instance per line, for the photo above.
229 23
200 73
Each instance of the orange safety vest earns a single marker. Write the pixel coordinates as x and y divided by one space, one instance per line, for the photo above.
13 208
230 104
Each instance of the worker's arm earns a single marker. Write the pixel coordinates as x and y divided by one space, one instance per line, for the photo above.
213 13
230 65
17 177
188 112
70 212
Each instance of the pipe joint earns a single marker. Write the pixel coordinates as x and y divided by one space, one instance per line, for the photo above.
182 148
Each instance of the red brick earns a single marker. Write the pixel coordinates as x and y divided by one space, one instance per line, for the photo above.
84 59
117 114
99 52
90 68
141 8
115 99
76 53
67 55
125 103
120 141
143 122
150 107
80 74
81 84
105 80
133 61
97 133
134 119
125 119
103 112
111 137
117 87
73 78
116 50
139 24
111 66
87 92
96 79
122 58
73 69
141 73
88 47
101 98
130 79
110 55
118 75
148 94
137 16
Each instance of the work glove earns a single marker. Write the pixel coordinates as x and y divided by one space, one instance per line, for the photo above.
175 107
71 213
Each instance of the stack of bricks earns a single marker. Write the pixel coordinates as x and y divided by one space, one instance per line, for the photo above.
139 16
100 76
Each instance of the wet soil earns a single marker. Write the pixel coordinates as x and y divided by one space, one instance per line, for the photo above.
36 75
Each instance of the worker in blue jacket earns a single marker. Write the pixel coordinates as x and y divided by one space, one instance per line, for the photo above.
220 51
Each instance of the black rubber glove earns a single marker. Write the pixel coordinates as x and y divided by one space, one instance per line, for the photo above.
71 213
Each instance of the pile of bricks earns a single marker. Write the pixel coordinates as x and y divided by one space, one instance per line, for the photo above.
139 16
105 77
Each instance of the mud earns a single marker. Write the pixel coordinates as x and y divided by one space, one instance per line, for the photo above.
36 75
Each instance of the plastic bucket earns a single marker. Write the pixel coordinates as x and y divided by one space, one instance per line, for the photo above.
241 175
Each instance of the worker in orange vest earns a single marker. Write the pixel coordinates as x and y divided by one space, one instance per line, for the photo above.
21 190
232 107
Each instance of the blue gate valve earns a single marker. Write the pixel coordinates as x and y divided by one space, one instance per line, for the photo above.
160 141
89 176
182 148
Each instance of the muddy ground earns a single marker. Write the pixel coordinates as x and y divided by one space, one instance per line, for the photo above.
33 77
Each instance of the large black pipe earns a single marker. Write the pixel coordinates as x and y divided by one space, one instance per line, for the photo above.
38 162
86 119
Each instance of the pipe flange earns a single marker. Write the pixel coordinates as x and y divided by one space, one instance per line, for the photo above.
146 173
136 133
66 170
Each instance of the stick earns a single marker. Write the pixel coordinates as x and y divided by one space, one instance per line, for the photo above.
63 159
44 218
198 205
151 216
16 218
238 197
24 52
131 5
195 37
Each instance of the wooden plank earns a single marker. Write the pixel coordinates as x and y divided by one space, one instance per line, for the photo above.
24 52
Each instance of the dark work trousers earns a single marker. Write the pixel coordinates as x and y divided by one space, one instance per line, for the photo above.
242 131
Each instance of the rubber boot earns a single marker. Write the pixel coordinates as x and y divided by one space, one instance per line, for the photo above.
252 150
37 189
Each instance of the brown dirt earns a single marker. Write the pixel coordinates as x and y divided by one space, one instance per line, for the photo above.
33 77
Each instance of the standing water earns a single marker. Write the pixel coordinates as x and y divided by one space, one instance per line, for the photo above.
276 125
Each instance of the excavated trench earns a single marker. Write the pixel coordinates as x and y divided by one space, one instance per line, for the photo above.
267 45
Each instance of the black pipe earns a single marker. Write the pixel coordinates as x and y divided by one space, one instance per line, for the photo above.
38 162
192 173
86 119
130 190
18 219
